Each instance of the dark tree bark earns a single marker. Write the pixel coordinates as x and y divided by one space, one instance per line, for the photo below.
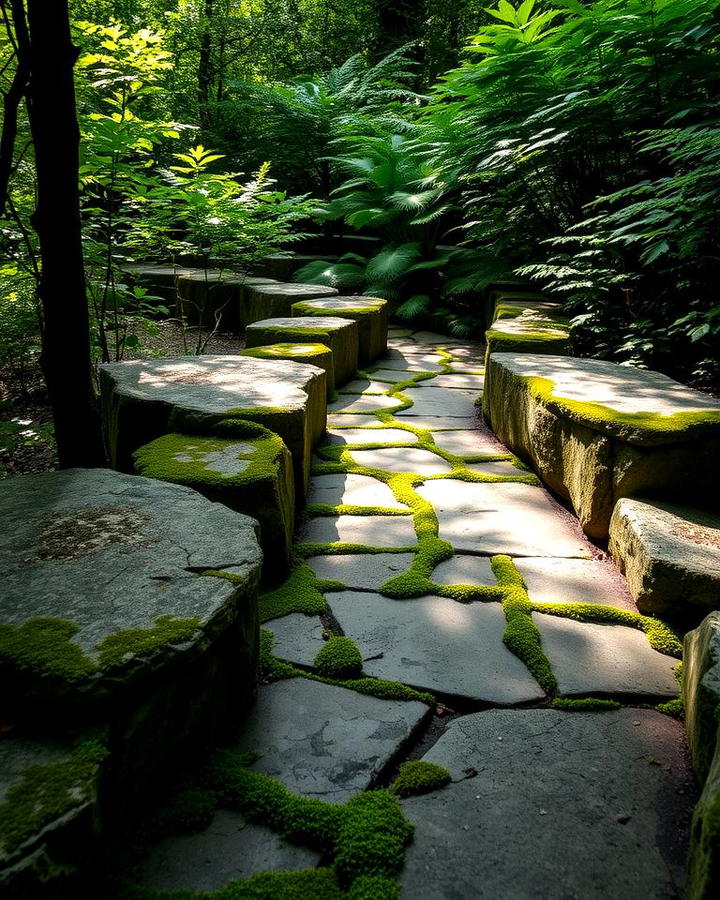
205 65
65 358
399 22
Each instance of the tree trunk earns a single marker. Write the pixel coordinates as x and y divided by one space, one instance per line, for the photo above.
205 74
399 22
65 358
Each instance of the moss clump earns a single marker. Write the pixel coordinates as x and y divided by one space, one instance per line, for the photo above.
372 838
674 708
584 704
117 648
45 793
339 658
419 777
44 646
287 351
299 594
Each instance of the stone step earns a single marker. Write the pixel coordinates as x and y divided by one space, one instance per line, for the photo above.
370 313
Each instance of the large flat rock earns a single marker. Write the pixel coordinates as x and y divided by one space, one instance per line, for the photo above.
510 518
472 442
670 556
599 660
564 805
370 436
362 571
324 741
431 401
143 399
373 531
352 490
436 644
402 459
574 581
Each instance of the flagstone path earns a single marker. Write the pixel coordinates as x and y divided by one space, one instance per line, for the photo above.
458 576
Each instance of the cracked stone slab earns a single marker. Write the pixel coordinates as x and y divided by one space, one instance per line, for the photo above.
431 401
436 644
464 380
605 660
324 741
470 442
351 403
370 436
352 490
574 581
229 848
511 518
402 459
297 638
366 571
373 531
565 805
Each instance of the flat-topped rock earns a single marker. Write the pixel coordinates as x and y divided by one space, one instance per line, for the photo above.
377 531
353 490
402 459
340 335
551 580
670 556
214 296
324 741
370 313
143 399
266 301
431 401
597 431
362 571
312 354
564 805
528 332
297 638
437 645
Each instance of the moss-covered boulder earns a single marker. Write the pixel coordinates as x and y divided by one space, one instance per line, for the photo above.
267 301
209 297
596 431
313 354
670 555
109 613
249 470
144 399
370 313
529 331
340 335
500 294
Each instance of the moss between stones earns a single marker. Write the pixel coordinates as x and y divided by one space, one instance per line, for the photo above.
45 793
584 704
323 510
300 594
419 777
339 658
674 708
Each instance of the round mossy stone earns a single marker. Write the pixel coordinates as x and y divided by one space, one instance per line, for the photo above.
251 472
315 354
370 313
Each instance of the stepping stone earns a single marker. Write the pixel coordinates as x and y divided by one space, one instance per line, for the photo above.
498 467
370 436
342 420
340 335
270 300
510 518
430 401
472 442
89 558
160 280
372 531
361 571
206 297
353 403
405 459
143 399
464 380
440 423
297 638
469 367
468 351
404 361
615 660
363 386
475 570
324 741
436 644
393 376
352 490
434 339
229 848
565 805
370 313
574 581
314 354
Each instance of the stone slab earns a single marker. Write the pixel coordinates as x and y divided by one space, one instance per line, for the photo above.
701 691
564 805
442 423
497 467
351 403
391 376
436 644
297 638
670 556
600 660
229 848
467 381
469 366
370 436
361 571
364 386
370 314
402 459
471 442
465 570
352 490
407 361
266 301
342 420
430 401
510 518
574 581
324 741
373 531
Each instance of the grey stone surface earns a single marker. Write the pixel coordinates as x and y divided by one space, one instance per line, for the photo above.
511 518
472 442
564 805
411 361
370 436
442 423
392 376
297 638
362 571
364 386
465 570
701 691
599 660
229 848
324 741
498 467
374 531
670 556
350 403
436 644
352 490
468 365
112 552
342 420
431 401
574 581
402 459
465 381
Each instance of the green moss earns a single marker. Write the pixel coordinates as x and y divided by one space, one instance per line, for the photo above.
584 704
316 510
189 811
372 838
674 708
44 646
373 887
339 658
117 648
287 351
419 777
299 594
45 793
306 308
